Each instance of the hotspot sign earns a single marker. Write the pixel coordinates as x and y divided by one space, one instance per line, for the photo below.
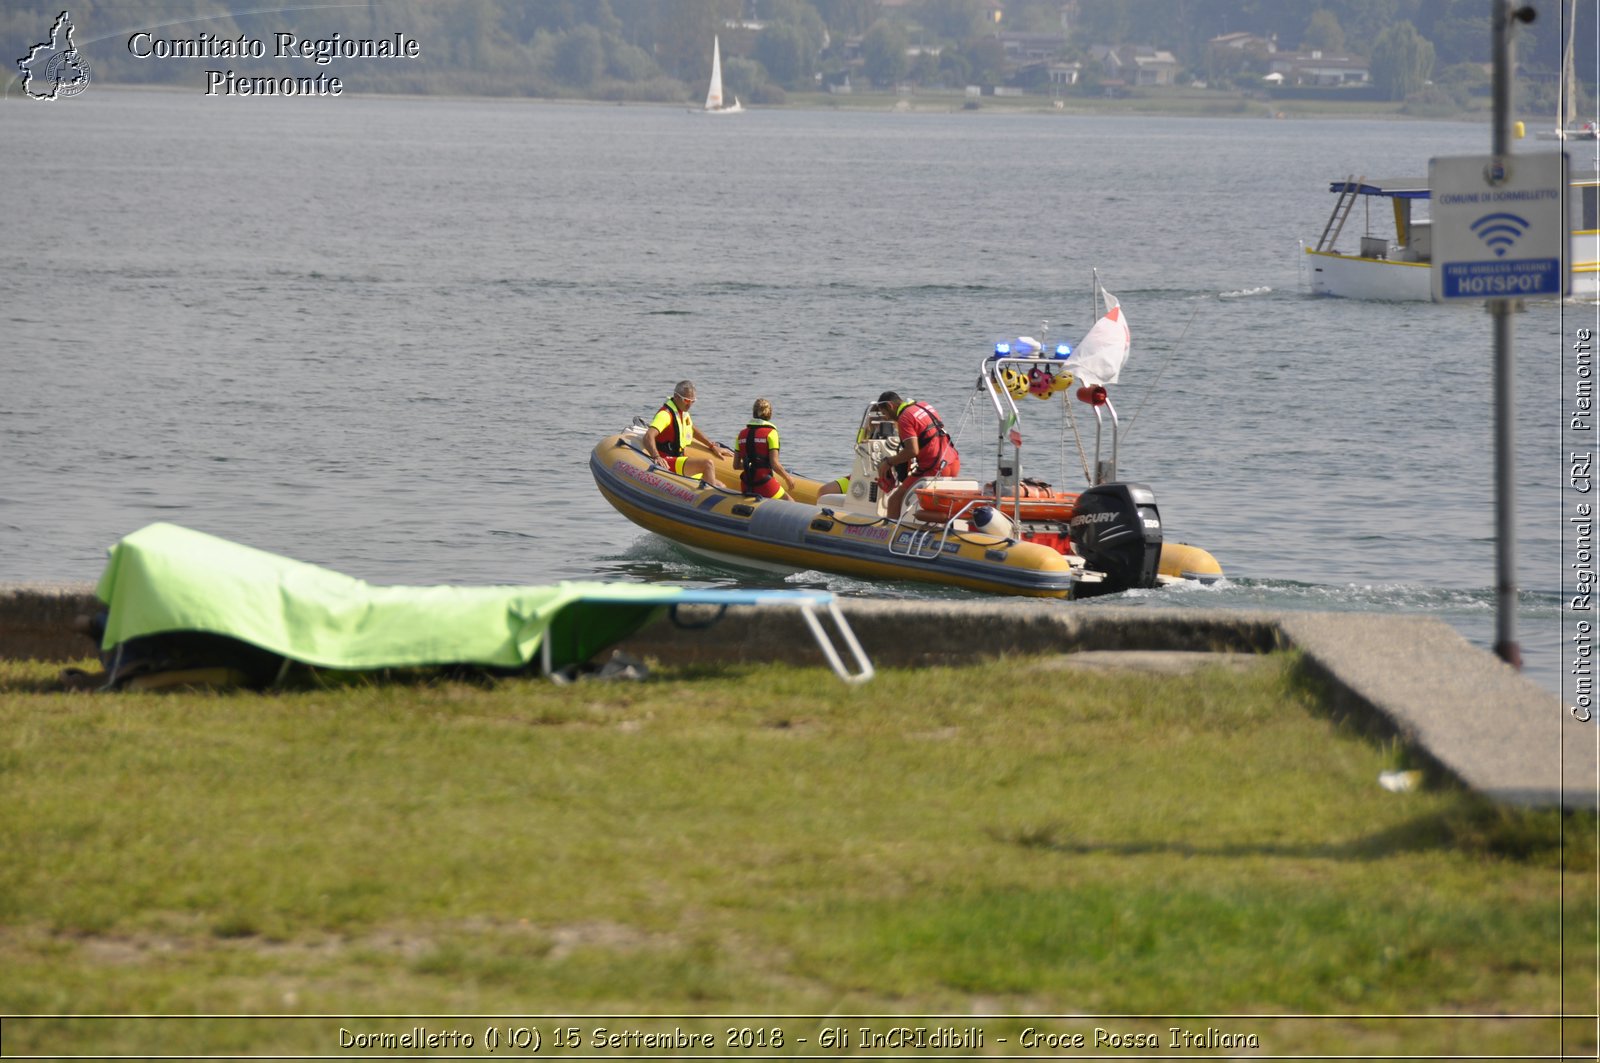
1499 226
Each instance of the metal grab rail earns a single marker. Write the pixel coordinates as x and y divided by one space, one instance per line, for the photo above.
1105 471
917 541
923 536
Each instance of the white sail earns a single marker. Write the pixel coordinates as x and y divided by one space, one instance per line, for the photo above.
714 93
1098 358
714 104
1568 125
1567 114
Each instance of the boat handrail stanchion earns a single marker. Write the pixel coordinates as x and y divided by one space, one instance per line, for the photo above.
1005 476
984 374
1016 463
1099 430
1016 476
1109 472
990 370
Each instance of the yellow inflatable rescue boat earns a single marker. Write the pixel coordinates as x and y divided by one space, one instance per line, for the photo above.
1007 536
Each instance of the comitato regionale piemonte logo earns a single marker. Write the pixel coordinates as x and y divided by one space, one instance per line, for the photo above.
54 69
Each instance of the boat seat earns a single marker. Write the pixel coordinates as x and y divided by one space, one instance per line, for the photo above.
942 484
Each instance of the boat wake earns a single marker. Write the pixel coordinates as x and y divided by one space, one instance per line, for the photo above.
1244 293
1383 597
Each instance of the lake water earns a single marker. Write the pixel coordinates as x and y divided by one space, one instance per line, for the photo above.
383 334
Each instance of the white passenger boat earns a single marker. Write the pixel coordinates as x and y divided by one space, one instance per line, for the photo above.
1393 246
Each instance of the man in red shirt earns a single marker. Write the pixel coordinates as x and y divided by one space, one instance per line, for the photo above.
925 447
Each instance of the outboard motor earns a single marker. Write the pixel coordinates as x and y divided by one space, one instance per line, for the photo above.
1116 529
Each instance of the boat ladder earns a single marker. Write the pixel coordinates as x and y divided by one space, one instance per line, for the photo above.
923 543
1341 212
927 543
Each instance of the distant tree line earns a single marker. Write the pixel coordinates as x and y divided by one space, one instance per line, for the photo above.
661 49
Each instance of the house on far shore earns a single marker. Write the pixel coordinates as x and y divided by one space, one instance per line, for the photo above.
1065 75
1135 64
1024 48
1247 43
1315 70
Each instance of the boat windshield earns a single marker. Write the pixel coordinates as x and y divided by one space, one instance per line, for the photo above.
874 425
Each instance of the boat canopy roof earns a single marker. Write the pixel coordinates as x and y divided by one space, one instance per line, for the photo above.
1394 187
1417 187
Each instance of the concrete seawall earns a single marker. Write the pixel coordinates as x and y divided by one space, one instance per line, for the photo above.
1409 677
36 621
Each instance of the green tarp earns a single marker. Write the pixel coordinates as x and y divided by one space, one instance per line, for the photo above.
164 578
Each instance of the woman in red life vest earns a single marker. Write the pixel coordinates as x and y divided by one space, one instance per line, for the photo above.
925 447
672 430
756 455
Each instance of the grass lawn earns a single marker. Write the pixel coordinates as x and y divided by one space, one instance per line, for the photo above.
1098 851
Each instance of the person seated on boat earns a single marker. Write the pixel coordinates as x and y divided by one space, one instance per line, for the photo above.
672 430
755 455
839 485
926 449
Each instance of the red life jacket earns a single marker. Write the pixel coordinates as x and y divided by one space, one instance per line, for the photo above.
934 447
755 449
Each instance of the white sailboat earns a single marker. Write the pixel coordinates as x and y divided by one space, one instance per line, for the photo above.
714 104
1569 126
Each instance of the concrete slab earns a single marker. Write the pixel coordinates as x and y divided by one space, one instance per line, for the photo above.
1475 715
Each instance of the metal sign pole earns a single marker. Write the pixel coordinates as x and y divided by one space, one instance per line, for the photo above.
1506 646
1505 643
